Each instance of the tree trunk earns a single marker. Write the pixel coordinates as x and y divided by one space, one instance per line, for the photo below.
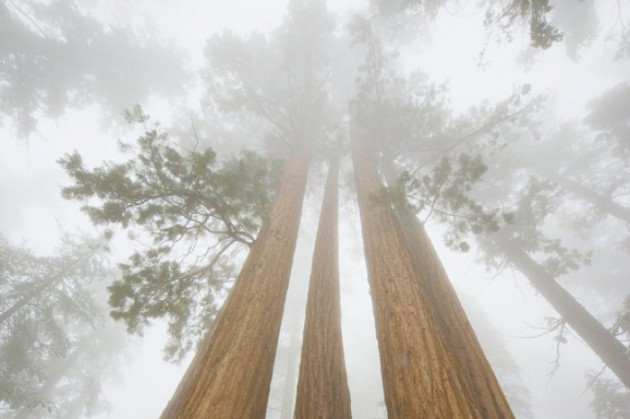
601 202
453 322
420 377
323 386
231 374
612 352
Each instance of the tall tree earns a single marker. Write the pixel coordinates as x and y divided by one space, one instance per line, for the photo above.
420 376
443 188
323 384
236 358
459 335
180 199
399 118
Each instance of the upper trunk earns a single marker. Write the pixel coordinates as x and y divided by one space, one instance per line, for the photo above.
420 377
231 374
459 335
323 386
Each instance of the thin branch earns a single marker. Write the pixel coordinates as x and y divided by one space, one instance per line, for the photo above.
30 19
556 361
592 380
435 199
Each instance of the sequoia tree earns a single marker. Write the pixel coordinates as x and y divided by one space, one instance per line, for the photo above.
177 200
607 347
459 335
237 355
420 375
322 386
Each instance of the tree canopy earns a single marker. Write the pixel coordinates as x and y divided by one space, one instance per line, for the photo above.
195 213
533 188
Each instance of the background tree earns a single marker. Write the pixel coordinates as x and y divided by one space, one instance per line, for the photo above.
500 16
56 55
56 340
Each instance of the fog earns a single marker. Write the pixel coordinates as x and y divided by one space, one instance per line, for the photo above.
146 147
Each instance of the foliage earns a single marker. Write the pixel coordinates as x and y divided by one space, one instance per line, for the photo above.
499 14
55 55
410 126
611 399
398 115
443 171
197 214
48 309
275 78
532 202
429 8
409 120
504 13
445 193
609 115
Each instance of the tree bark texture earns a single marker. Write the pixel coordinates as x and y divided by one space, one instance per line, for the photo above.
420 377
231 374
323 385
612 352
453 322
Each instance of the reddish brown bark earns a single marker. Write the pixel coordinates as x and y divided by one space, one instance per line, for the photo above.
323 386
420 377
453 322
231 374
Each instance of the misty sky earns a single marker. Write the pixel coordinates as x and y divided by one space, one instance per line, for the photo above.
165 49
